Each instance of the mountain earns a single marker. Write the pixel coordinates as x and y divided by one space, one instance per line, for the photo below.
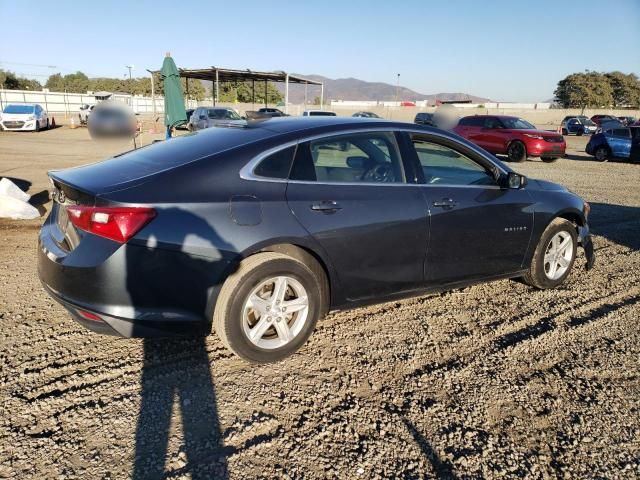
355 89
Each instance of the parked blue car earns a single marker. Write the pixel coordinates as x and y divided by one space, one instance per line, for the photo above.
577 125
617 142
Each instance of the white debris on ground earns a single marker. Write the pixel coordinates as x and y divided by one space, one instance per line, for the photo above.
14 203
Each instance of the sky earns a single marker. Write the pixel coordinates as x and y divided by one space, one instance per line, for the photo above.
503 50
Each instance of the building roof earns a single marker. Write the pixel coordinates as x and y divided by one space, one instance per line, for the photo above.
233 75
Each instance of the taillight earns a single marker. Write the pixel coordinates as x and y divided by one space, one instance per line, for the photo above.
115 223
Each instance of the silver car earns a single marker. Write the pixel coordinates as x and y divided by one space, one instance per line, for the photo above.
205 117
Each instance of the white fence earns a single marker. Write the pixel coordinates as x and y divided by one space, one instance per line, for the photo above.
69 103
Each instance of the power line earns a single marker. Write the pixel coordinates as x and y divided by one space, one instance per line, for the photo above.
28 64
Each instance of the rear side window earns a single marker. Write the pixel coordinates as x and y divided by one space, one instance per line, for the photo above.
621 132
356 158
491 122
442 165
471 121
276 165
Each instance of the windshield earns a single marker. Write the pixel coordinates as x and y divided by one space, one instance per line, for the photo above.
223 114
18 109
517 124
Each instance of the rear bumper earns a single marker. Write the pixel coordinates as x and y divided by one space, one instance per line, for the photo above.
135 291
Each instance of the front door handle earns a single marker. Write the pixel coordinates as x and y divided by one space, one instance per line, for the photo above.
445 203
326 206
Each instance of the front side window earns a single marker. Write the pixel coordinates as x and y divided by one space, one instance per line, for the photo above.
442 165
356 158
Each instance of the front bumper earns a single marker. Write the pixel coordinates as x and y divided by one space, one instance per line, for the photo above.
542 148
17 126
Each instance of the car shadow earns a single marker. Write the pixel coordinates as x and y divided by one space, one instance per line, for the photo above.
618 223
164 275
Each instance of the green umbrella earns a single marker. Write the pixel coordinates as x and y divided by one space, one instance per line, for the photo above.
174 112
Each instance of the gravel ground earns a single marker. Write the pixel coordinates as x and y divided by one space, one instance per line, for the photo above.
496 380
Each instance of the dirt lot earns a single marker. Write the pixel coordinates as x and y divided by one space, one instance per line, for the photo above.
496 380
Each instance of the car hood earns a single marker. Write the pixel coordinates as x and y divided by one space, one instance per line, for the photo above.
546 185
532 131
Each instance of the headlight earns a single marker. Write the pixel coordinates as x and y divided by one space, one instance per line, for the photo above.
31 118
531 135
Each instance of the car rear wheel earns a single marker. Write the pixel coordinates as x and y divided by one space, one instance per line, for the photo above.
554 255
269 307
601 154
517 152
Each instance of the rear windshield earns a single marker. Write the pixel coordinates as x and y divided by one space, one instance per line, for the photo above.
322 114
18 109
223 114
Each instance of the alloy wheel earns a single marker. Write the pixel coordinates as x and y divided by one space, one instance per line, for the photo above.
275 312
558 255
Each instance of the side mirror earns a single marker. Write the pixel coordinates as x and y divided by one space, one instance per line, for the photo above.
515 181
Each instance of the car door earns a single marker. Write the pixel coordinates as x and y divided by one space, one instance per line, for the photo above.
351 194
620 142
477 228
494 135
471 129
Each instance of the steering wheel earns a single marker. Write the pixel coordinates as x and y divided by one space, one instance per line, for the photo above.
380 173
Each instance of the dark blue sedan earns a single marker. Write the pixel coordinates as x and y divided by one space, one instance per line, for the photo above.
615 142
260 229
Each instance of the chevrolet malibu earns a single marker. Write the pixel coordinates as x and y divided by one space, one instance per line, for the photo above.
258 230
511 136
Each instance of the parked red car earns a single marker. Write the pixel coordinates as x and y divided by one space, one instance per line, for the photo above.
511 136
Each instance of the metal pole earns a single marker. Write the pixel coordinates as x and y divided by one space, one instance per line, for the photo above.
397 87
265 93
305 94
153 96
213 92
217 87
321 95
286 93
253 98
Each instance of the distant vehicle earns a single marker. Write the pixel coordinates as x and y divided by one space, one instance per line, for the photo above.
205 117
614 143
318 113
513 136
85 111
577 125
627 121
185 126
424 118
24 117
599 119
272 112
366 115
111 119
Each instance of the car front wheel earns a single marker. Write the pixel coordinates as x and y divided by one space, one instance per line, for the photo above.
517 152
268 308
554 255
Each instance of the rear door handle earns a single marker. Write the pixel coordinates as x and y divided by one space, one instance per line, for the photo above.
326 206
445 203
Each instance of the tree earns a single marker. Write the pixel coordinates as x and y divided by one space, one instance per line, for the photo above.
626 89
11 81
581 90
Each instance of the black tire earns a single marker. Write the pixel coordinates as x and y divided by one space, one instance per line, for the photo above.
47 127
517 151
37 129
580 133
549 159
601 153
565 132
536 276
228 315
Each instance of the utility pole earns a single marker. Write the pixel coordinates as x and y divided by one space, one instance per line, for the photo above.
130 67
